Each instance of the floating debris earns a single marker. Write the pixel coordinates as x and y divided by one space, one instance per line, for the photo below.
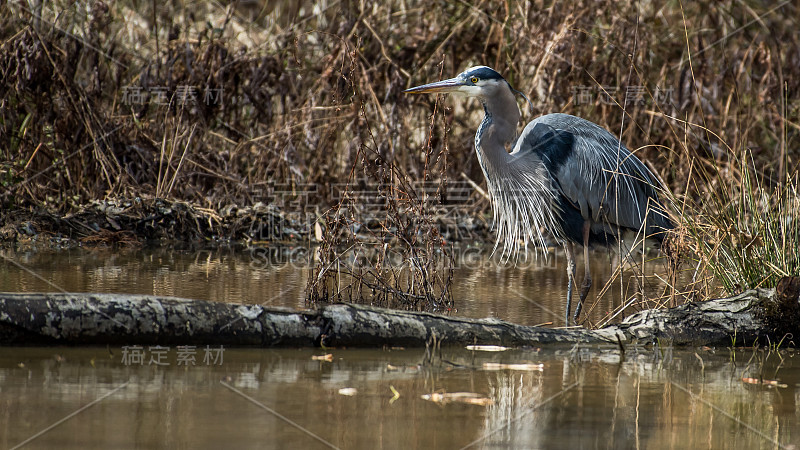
487 348
470 398
520 366
328 357
767 383
396 395
393 368
348 391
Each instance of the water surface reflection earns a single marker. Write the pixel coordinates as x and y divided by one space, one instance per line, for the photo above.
583 398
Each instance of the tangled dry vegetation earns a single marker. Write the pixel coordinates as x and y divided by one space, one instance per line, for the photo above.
299 105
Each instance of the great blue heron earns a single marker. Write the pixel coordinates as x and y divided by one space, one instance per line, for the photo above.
563 174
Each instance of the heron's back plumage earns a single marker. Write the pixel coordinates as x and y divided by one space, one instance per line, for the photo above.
590 176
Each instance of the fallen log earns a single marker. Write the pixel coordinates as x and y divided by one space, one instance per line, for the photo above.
124 319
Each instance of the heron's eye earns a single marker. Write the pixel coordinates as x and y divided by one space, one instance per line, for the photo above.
474 80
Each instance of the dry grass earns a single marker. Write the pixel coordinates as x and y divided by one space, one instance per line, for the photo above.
310 104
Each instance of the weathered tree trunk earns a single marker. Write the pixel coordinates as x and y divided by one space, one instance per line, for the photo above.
120 319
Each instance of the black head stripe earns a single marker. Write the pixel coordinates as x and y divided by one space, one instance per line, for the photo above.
484 73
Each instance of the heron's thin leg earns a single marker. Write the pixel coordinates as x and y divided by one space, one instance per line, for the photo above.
587 276
570 251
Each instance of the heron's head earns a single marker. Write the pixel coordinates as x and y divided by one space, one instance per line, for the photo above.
478 81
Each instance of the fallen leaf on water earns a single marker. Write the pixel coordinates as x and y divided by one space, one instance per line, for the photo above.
393 368
487 348
477 401
328 357
348 391
768 383
470 398
526 367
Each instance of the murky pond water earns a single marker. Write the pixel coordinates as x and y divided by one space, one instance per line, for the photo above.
532 292
585 398
223 397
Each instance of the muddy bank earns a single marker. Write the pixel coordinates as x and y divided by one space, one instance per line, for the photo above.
138 221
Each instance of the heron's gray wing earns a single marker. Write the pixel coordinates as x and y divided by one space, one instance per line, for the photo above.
589 166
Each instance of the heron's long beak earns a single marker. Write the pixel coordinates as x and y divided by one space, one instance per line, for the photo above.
444 86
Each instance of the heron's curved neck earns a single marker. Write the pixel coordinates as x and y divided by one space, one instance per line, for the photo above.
498 131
